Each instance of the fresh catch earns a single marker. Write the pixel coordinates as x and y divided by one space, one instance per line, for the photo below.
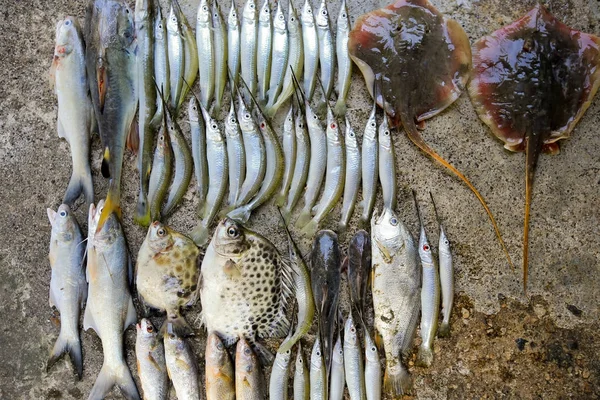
220 51
68 288
182 366
301 377
109 309
353 361
359 270
280 372
75 112
190 55
161 66
249 41
235 155
289 152
167 274
372 369
160 176
184 165
370 166
198 130
446 276
249 379
220 376
326 49
151 364
264 48
337 381
344 77
396 286
387 165
176 55
233 45
206 52
318 373
301 166
353 175
310 41
279 58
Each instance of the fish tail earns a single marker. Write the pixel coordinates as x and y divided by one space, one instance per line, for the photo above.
340 107
424 356
241 214
310 228
415 137
303 219
396 380
532 153
67 345
280 200
444 330
178 324
110 377
200 234
80 183
142 211
105 169
111 205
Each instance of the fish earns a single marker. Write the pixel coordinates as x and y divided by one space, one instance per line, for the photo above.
446 276
550 64
184 165
388 49
301 382
151 364
249 379
190 56
249 42
295 62
326 49
353 176
233 45
76 119
318 373
216 153
109 309
198 131
68 287
220 376
160 175
246 286
176 53
110 47
372 369
370 166
161 67
182 366
358 268
206 52
263 51
289 152
337 381
280 372
325 280
310 42
344 63
396 289
220 51
387 165
166 274
235 155
353 361
279 56
334 175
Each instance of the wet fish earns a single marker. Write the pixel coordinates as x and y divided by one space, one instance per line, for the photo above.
182 366
279 57
75 112
190 55
344 77
370 166
160 176
249 379
387 165
109 309
372 369
301 165
359 271
289 151
68 288
446 276
206 52
151 364
301 377
220 376
353 176
198 130
310 41
353 361
233 45
249 44
235 155
220 50
264 48
326 49
176 52
318 373
337 381
396 284
184 165
167 274
280 372
161 66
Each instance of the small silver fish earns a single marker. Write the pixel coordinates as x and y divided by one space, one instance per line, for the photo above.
236 155
280 373
372 369
353 361
289 151
198 131
176 54
220 50
206 53
264 47
337 380
326 49
446 276
151 364
370 166
387 164
233 44
161 66
301 166
353 175
279 57
182 367
310 40
343 58
301 377
249 44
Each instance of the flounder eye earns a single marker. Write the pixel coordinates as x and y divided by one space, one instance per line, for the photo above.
393 221
232 232
63 213
161 232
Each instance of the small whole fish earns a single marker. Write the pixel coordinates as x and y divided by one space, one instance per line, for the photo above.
176 54
184 165
220 376
235 155
220 51
353 175
301 166
353 361
181 366
151 364
344 62
167 274
279 57
396 287
161 67
370 166
198 130
326 49
206 53
249 44
372 369
249 380
289 152
233 45
310 41
280 372
68 288
301 377
387 165
359 271
160 175
318 373
190 50
337 381
264 48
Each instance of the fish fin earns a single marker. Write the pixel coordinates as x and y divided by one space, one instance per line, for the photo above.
240 214
64 345
264 355
105 168
77 185
52 75
133 137
178 324
310 228
444 330
101 79
51 215
424 356
110 377
142 210
231 269
110 206
344 268
303 218
131 315
200 234
396 380
280 200
340 107
60 129
88 319
415 137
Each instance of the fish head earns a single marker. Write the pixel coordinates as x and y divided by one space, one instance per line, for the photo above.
300 123
216 353
444 244
351 140
159 25
245 359
279 22
231 119
333 129
338 352
213 132
350 332
159 237
146 332
425 248
217 19
299 359
386 231
125 26
173 27
316 356
371 353
264 16
194 110
174 341
288 124
343 19
232 17
385 135
93 218
307 16
162 144
322 17
64 225
371 127
244 115
312 118
67 36
109 232
230 239
249 13
204 13
293 24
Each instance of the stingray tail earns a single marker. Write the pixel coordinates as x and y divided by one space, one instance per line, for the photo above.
415 137
532 152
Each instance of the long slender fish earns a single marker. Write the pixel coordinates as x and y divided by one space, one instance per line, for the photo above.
280 372
109 309
235 155
160 176
334 176
176 57
289 152
353 175
182 366
249 43
279 57
318 373
198 130
301 166
220 376
190 55
387 164
337 381
372 369
310 41
264 48
396 284
216 152
359 270
326 49
249 380
353 361
233 45
151 364
68 288
295 63
301 382
370 166
161 66
344 63
446 276
206 53
220 51
184 165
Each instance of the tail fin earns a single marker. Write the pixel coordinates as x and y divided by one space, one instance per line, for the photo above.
311 228
200 234
280 199
241 214
73 347
111 205
303 219
109 377
425 356
142 212
77 185
178 324
340 107
444 330
396 380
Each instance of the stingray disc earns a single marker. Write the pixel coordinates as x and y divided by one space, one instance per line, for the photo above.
533 80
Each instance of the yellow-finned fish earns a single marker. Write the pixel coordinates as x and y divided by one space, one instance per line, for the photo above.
220 376
151 364
249 379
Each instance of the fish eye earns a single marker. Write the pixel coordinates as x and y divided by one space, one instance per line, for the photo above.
172 128
324 12
353 330
220 346
149 329
161 232
333 126
67 22
351 134
247 116
252 6
159 26
301 125
386 132
63 213
318 353
262 125
247 351
161 138
373 349
344 15
446 242
426 247
281 17
232 232
292 19
214 126
309 11
394 221
315 117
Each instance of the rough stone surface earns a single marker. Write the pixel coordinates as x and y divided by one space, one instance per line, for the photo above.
505 345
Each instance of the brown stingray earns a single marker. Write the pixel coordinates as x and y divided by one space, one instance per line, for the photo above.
421 60
533 80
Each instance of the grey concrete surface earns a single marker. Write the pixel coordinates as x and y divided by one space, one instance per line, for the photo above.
503 344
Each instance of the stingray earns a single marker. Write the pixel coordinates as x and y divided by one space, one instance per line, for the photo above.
421 63
533 80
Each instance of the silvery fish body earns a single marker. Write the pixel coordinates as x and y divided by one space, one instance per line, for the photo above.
198 131
310 41
206 53
387 165
369 166
353 175
176 57
372 369
289 151
220 49
344 62
447 282
236 155
337 381
326 49
301 166
233 44
301 377
151 364
353 361
279 57
264 47
161 66
249 44
318 373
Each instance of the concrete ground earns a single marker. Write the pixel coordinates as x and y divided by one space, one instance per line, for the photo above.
503 344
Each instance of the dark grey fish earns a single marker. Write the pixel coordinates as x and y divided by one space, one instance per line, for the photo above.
359 269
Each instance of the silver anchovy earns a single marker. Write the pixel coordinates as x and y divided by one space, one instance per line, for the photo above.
318 373
387 164
206 53
233 44
446 276
249 42
220 48
183 163
353 361
190 55
344 63
279 58
353 176
236 155
372 369
280 373
161 66
289 151
176 57
370 166
301 166
326 49
264 47
198 130
337 380
301 377
310 42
